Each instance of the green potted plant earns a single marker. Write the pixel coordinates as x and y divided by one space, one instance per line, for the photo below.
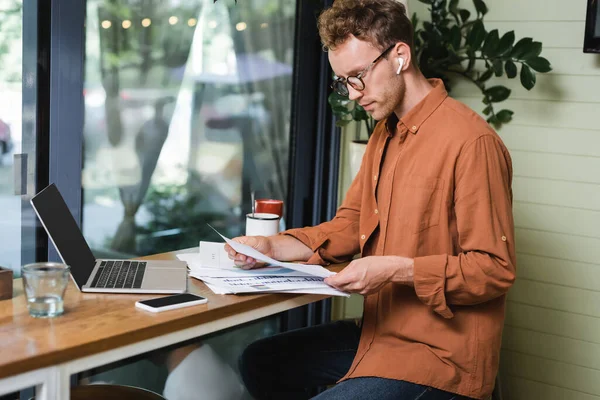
455 43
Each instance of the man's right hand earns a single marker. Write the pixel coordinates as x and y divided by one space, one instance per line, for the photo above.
259 243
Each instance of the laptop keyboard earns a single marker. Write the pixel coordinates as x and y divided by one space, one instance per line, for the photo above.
118 274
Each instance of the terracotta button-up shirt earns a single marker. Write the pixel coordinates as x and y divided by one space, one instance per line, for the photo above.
434 186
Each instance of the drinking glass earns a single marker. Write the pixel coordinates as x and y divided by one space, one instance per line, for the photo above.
44 284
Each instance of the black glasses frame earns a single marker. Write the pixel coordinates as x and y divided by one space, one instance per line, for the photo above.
340 85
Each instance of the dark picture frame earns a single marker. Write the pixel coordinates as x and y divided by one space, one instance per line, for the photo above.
591 43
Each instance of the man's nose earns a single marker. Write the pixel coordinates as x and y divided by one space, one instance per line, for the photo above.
354 94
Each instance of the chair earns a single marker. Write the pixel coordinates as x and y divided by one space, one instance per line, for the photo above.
113 392
497 393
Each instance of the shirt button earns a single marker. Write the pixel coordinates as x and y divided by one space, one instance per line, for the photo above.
363 237
414 128
376 211
375 177
503 238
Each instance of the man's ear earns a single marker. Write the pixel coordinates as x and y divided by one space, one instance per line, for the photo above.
402 50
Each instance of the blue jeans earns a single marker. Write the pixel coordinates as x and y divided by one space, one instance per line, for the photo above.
291 364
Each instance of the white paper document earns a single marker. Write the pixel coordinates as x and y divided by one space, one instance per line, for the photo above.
266 283
212 260
212 265
327 290
315 270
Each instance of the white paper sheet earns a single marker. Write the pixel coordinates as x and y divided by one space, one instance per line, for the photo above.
213 255
315 270
230 273
324 291
262 284
196 263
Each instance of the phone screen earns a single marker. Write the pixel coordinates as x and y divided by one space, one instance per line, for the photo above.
171 300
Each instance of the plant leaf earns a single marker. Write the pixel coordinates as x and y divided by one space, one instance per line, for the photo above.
504 116
341 123
335 99
506 42
492 40
511 69
476 36
455 37
493 120
340 110
487 110
521 48
533 50
480 7
486 75
464 15
527 77
497 93
415 21
359 113
497 64
453 7
540 64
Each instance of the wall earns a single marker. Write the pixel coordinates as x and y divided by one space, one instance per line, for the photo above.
551 344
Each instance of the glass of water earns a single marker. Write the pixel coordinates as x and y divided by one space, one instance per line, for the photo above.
45 284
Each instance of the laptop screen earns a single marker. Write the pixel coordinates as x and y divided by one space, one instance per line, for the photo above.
64 233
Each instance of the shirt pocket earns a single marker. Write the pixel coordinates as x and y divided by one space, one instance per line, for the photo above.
421 203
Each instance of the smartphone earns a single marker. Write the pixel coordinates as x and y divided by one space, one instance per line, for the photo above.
170 302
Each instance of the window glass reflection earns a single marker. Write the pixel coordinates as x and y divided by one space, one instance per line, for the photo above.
187 109
11 96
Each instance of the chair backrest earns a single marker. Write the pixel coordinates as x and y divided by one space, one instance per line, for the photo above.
113 392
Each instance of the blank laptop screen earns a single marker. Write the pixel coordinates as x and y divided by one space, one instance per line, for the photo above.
64 233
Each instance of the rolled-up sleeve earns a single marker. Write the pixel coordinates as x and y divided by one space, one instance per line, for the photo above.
335 241
485 267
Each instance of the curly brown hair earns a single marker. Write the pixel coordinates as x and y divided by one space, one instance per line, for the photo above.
379 22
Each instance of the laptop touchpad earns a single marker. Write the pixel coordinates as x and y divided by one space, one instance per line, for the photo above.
163 278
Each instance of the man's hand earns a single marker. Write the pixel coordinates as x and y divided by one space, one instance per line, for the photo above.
278 247
260 243
369 274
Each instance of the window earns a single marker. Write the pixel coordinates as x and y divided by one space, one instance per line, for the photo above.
187 111
18 130
11 55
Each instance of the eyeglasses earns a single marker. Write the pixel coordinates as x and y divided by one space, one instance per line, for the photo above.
340 85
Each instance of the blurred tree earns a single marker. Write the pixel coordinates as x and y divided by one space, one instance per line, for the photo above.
10 39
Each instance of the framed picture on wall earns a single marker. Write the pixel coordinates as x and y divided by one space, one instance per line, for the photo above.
591 43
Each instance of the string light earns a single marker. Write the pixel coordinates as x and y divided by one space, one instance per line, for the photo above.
146 22
240 26
173 20
264 25
106 24
126 24
192 22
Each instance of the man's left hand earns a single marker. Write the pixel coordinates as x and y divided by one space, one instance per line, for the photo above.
369 274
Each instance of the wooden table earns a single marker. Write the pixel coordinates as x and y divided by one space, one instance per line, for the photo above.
97 329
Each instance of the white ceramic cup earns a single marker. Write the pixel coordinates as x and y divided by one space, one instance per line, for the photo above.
262 224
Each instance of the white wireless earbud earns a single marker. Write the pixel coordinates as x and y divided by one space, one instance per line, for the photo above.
401 64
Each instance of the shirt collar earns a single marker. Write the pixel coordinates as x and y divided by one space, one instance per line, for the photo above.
413 119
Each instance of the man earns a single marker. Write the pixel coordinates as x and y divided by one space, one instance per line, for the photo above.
430 210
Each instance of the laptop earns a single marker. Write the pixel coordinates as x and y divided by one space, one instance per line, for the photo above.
102 275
